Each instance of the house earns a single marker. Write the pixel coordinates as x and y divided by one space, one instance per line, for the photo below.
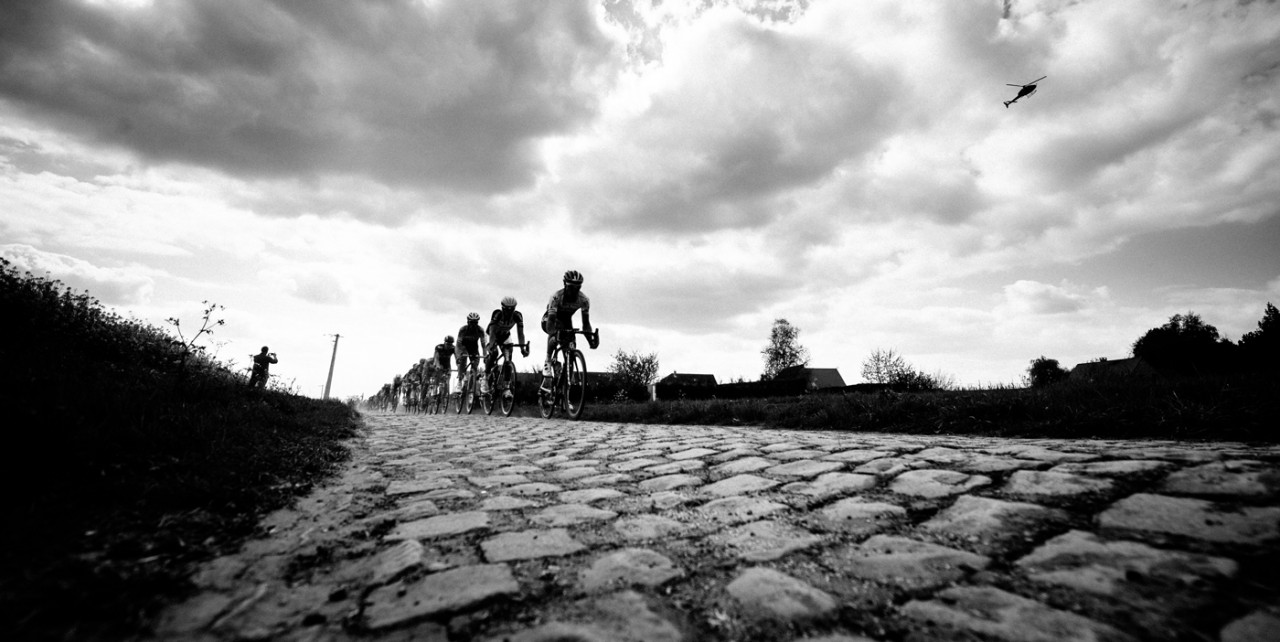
816 378
688 386
1113 369
680 379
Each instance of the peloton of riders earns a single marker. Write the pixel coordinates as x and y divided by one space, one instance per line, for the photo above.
473 343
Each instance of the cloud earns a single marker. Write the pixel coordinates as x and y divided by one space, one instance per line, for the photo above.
312 286
451 95
740 113
1032 297
115 286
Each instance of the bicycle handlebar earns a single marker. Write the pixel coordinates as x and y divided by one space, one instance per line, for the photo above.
593 336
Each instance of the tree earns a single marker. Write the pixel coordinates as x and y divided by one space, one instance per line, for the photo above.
784 349
1186 345
884 366
887 366
1261 348
1045 371
632 372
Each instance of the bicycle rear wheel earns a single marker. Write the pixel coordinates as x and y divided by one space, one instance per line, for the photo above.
576 385
506 388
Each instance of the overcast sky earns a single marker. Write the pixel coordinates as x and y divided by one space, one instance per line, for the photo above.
379 169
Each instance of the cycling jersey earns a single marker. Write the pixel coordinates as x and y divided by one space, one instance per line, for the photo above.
500 327
562 310
498 321
444 352
469 338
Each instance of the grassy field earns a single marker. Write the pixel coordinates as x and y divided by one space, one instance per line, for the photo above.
1230 408
129 457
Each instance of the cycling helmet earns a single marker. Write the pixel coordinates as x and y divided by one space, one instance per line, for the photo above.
573 277
448 339
508 302
474 316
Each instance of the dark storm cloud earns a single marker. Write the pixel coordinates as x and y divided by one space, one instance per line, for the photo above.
450 94
776 111
33 158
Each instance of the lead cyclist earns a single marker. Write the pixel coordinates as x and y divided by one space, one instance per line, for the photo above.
559 316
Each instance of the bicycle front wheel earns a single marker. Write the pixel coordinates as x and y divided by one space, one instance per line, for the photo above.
576 385
547 399
506 388
486 398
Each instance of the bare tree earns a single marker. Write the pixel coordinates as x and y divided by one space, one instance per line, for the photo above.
884 366
784 349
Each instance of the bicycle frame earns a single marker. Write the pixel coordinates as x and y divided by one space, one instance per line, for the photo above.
467 389
568 385
494 380
440 388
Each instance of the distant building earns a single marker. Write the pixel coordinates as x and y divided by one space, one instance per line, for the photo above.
1113 369
677 385
681 379
816 378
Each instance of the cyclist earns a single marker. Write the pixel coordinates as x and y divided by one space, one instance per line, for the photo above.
559 316
499 331
428 372
444 352
471 345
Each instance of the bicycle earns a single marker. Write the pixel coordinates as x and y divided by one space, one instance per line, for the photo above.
440 400
467 395
500 381
568 381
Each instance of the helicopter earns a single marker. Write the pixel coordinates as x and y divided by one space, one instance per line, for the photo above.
1027 90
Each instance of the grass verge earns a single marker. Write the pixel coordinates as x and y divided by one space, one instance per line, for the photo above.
130 458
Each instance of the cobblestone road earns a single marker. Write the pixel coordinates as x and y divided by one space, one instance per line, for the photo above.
485 528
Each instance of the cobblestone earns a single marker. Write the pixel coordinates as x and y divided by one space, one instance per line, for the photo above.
831 485
489 528
858 516
933 483
630 566
765 540
444 592
1194 518
905 562
530 544
1082 561
765 591
996 614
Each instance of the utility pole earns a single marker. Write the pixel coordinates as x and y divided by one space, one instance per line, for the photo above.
328 382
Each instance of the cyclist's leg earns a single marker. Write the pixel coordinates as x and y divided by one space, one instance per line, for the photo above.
550 327
490 350
464 359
